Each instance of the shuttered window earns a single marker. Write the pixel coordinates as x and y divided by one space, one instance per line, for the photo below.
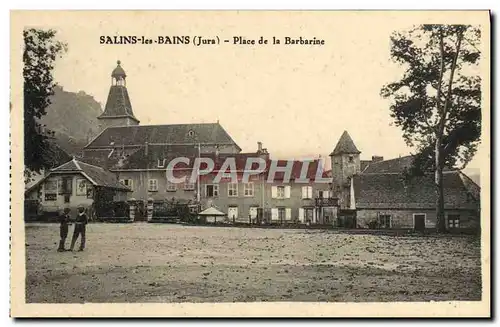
307 192
153 185
274 214
280 192
171 187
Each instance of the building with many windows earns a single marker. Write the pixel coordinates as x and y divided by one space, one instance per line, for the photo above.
355 193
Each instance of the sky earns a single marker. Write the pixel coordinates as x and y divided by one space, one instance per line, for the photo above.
297 100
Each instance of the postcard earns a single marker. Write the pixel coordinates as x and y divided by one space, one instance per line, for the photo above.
250 164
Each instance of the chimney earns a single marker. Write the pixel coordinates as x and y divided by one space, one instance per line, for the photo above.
259 147
217 153
377 158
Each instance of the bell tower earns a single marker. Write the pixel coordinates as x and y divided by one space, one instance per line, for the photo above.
345 162
118 109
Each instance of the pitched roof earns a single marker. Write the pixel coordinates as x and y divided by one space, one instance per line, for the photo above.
148 157
364 164
397 165
391 191
211 212
471 186
297 169
118 104
98 176
345 145
163 154
106 158
207 133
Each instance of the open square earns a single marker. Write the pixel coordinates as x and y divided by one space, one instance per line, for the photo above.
144 262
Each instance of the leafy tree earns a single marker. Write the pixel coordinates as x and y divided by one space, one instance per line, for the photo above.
40 52
437 102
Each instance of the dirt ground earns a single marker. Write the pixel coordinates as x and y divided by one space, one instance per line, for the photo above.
170 263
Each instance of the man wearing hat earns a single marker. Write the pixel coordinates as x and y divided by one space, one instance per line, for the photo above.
81 222
63 228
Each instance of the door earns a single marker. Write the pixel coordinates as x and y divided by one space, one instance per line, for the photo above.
232 213
419 222
308 215
253 213
281 215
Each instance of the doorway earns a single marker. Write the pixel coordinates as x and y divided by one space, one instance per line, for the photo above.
419 221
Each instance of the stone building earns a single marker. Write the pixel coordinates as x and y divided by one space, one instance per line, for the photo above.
384 198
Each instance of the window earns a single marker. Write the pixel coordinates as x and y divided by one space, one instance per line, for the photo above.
153 185
280 191
454 221
67 198
66 186
226 175
50 190
188 186
384 221
351 159
171 187
127 182
232 189
336 161
161 163
211 190
307 192
248 189
323 194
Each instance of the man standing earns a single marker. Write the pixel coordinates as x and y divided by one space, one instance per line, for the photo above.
81 222
63 228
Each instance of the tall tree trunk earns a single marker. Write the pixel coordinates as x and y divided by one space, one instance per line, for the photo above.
438 174
443 113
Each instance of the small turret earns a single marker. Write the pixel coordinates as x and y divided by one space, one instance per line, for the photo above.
346 163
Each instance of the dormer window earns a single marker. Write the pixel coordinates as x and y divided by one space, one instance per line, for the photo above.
191 133
161 163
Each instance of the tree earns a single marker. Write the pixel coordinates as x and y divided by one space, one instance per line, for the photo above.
437 102
40 52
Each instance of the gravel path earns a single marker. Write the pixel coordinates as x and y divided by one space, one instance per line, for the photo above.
170 263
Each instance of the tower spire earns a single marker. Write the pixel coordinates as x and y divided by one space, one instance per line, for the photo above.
118 109
345 145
